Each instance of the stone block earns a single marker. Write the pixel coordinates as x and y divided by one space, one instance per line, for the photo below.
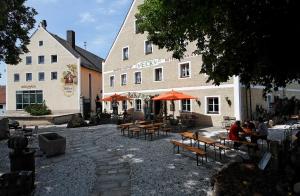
52 144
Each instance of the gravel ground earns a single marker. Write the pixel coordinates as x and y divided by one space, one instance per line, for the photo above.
154 168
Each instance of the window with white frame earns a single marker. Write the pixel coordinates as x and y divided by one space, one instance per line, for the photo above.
54 75
184 70
138 77
16 77
125 53
213 105
158 74
41 59
186 105
148 47
41 43
138 104
137 30
28 60
53 58
124 105
112 81
41 76
28 76
123 79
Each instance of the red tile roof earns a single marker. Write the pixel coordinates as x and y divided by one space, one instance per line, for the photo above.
2 95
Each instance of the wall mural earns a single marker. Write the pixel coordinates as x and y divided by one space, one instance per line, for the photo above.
70 80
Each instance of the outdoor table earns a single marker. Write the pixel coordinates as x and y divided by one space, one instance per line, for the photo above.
125 126
205 140
158 125
187 134
200 138
145 127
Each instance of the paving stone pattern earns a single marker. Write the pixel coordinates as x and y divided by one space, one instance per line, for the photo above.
100 161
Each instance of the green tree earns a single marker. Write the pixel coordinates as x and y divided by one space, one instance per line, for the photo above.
16 20
256 39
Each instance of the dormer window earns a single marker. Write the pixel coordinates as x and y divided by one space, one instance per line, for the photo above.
41 43
125 53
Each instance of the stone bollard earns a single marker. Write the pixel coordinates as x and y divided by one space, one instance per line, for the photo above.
4 128
21 157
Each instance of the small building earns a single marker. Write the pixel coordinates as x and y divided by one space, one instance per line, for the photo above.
56 72
2 100
136 68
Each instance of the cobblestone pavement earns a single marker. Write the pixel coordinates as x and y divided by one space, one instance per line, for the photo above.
100 161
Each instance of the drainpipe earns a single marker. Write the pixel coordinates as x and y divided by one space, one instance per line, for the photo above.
250 100
237 97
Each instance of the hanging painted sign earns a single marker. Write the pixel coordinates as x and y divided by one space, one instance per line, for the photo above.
70 80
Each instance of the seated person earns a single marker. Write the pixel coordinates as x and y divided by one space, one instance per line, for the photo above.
262 131
249 125
234 135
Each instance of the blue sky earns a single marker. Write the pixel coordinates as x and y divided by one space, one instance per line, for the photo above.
95 22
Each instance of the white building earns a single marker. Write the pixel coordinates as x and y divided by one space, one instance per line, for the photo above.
65 76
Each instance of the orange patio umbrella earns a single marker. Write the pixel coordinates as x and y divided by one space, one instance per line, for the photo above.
173 95
116 97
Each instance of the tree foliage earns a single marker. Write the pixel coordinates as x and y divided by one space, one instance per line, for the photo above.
257 40
16 20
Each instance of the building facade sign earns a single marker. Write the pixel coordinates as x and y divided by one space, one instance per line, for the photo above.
31 86
149 63
70 80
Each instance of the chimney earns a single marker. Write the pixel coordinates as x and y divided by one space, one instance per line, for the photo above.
71 38
43 24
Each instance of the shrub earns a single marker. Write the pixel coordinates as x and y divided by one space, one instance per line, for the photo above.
38 109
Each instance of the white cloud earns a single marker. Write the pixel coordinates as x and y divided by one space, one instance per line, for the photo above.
120 2
111 8
86 17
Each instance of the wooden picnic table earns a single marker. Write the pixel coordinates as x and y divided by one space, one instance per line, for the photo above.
125 126
145 128
142 122
205 140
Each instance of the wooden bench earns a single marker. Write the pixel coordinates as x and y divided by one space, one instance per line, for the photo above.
166 130
220 147
248 144
151 131
197 151
134 131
